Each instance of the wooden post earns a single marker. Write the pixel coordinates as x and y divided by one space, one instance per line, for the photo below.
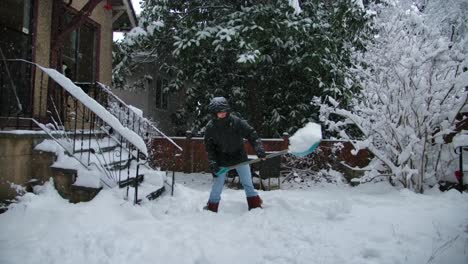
188 157
285 140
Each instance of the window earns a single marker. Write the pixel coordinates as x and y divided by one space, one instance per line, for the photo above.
79 55
16 15
161 95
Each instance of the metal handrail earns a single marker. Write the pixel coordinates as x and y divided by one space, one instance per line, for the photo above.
147 123
81 119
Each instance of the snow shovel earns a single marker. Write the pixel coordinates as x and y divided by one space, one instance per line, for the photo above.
302 143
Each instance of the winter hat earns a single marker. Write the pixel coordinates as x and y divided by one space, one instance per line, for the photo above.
218 104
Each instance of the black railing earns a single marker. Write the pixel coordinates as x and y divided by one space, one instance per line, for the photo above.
460 150
16 94
131 117
79 122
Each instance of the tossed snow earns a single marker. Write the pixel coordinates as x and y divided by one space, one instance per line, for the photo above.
305 137
327 224
98 109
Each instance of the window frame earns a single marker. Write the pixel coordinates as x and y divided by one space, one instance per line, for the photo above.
161 97
96 28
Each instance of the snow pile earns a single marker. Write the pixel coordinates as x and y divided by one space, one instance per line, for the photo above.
85 177
91 179
49 145
305 138
373 223
96 176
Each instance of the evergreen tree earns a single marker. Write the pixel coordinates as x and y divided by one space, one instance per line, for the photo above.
269 58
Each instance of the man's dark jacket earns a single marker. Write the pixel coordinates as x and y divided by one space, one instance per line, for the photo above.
224 141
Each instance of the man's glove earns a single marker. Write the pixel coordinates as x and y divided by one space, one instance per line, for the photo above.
214 168
261 155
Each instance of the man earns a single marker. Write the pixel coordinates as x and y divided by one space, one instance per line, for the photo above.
224 143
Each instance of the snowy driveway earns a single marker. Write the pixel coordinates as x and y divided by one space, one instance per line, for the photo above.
322 224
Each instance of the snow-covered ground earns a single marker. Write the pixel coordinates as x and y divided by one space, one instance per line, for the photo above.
373 223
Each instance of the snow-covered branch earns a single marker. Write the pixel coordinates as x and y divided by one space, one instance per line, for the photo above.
412 91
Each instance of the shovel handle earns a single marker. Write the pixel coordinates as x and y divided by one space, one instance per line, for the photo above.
269 156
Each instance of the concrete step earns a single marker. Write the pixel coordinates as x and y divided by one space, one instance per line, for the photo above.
131 181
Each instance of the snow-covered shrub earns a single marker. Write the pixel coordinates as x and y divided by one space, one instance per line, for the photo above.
413 79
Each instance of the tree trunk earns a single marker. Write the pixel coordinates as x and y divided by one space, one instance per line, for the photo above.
255 107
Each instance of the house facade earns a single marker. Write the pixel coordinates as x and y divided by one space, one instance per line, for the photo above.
73 37
159 106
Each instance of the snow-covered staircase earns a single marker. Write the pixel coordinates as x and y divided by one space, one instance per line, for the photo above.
93 164
99 142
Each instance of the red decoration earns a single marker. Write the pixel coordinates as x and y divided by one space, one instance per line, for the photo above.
108 5
458 175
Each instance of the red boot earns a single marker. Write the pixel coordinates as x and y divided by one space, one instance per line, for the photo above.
213 207
254 202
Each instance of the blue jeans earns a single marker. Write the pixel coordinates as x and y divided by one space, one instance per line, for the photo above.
245 178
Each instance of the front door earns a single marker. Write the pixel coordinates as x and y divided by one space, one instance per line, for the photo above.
15 43
79 64
79 54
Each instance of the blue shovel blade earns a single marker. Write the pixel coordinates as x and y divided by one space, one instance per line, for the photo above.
222 170
300 154
307 152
